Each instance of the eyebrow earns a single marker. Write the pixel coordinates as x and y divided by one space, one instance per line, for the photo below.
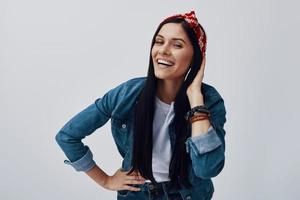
173 38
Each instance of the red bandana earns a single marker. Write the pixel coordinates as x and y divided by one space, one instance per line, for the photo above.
191 19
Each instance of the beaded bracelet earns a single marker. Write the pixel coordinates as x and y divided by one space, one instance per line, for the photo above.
196 109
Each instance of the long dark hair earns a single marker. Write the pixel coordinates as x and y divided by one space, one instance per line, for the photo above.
144 112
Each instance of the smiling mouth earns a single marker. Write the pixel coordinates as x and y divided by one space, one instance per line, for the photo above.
165 62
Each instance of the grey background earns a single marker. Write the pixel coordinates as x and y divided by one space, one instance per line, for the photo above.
57 57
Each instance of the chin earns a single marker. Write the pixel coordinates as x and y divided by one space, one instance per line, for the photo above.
163 77
162 73
160 76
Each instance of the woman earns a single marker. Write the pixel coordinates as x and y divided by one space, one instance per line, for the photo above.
168 126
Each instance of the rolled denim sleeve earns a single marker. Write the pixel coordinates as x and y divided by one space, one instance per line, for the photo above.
207 151
203 143
70 136
84 164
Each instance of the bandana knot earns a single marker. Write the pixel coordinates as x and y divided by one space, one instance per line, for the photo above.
193 23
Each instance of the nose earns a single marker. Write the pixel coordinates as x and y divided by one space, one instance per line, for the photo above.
164 49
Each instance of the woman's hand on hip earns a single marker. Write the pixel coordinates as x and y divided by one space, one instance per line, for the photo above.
120 181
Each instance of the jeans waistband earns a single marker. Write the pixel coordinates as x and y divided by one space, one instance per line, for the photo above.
151 187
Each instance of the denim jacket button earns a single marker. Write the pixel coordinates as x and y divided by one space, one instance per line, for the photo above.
123 125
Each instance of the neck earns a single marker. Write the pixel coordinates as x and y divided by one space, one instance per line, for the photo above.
167 90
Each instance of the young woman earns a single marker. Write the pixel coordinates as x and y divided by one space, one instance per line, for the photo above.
168 126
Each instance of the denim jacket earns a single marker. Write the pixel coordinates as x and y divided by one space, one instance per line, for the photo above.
207 151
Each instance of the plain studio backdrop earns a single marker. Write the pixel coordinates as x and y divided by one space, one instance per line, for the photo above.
57 57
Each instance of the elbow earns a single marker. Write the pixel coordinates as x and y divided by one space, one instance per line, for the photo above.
58 138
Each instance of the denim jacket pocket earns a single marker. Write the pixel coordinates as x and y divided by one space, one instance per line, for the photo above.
119 125
121 131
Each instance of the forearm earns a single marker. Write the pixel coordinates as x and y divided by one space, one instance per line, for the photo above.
98 175
199 127
206 145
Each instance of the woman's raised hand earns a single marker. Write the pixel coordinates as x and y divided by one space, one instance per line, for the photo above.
120 181
194 90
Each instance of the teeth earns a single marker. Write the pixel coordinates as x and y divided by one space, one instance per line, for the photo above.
166 62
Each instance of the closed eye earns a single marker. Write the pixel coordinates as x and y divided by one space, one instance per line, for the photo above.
161 42
177 45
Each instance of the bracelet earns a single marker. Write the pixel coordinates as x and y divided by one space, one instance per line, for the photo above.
198 117
196 109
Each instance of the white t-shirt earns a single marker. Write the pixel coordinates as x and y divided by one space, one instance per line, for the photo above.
161 152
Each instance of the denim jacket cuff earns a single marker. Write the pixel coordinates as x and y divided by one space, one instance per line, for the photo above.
203 143
85 163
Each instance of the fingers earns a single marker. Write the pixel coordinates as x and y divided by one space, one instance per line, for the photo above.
201 71
122 181
131 188
134 181
133 178
199 77
135 175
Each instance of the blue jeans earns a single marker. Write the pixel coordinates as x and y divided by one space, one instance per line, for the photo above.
149 191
